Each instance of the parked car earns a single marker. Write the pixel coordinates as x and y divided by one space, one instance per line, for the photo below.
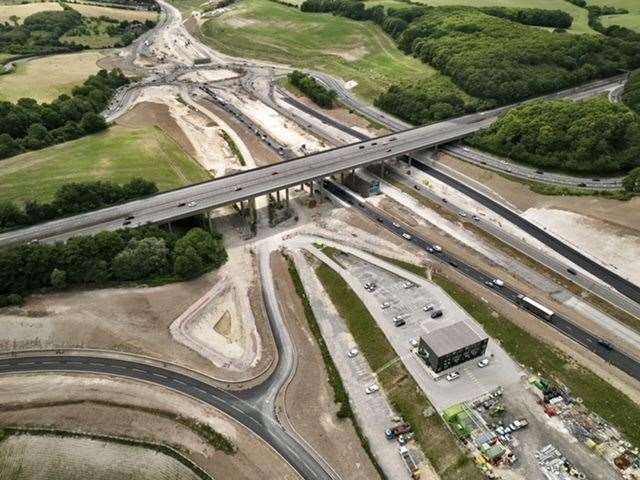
436 314
428 308
414 342
483 363
452 376
385 305
353 353
371 389
400 322
462 214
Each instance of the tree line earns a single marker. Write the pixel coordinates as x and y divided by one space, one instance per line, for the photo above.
589 136
538 17
28 125
126 30
141 254
73 198
308 85
631 94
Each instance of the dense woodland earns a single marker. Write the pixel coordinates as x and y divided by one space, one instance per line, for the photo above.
310 87
586 136
146 253
491 54
28 125
40 33
73 198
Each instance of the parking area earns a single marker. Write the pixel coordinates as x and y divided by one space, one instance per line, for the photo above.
395 295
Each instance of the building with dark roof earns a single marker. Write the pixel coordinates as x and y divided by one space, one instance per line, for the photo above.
451 345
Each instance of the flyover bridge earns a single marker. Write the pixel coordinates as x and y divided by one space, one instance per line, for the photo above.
187 201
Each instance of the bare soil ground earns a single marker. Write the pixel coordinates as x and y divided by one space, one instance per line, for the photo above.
129 320
623 214
309 404
105 405
262 154
148 114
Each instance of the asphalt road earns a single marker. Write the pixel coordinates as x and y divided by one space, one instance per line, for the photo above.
485 160
238 408
243 185
619 359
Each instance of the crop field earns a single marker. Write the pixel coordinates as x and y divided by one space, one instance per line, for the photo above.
44 79
22 11
358 51
117 13
44 457
118 155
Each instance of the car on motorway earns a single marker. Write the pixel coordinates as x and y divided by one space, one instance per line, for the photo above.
430 249
498 283
130 217
452 376
353 353
274 173
416 187
361 147
483 363
539 172
428 308
489 283
388 150
371 389
572 271
406 236
437 248
380 219
192 204
396 224
237 189
182 204
605 344
582 184
126 222
385 305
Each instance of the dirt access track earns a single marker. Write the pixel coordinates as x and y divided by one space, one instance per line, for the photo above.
105 405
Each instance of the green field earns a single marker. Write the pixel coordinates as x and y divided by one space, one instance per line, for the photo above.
118 155
352 50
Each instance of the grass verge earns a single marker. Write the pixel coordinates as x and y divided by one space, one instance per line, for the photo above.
433 436
234 148
340 395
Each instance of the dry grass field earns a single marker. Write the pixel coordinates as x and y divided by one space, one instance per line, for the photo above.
24 10
43 457
44 79
117 13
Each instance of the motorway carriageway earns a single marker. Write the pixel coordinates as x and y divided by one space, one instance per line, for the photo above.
622 285
228 403
619 359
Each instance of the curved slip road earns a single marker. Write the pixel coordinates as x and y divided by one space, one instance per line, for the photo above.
237 408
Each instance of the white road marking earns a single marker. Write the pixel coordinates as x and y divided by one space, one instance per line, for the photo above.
138 370
159 375
26 363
